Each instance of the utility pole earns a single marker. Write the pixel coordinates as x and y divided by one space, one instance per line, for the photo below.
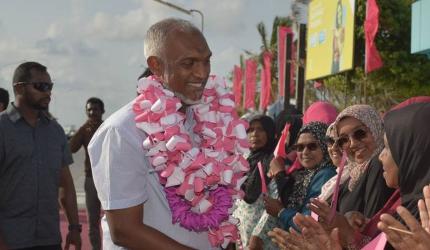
188 12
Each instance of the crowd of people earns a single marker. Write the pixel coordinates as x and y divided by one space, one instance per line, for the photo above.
157 166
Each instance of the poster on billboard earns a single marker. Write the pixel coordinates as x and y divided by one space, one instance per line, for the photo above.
330 37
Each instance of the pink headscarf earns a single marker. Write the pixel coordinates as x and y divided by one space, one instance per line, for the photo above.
320 111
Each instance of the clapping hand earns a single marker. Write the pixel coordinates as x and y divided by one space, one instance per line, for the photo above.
419 236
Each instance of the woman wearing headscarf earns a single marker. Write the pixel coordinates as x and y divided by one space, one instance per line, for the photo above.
261 136
360 134
406 160
360 131
335 154
319 111
406 156
305 183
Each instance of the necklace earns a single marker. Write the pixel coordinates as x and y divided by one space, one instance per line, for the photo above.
202 170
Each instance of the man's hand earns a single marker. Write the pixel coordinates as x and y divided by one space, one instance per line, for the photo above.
73 238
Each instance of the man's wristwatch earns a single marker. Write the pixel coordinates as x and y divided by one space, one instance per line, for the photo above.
76 227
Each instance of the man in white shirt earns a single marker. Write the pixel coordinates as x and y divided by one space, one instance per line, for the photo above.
137 212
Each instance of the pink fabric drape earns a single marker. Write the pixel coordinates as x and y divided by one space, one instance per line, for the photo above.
320 111
266 82
237 85
282 39
371 24
250 81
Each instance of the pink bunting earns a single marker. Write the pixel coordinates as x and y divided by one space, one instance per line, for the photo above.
237 85
250 81
266 80
373 60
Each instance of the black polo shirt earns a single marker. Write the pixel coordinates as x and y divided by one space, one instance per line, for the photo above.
31 159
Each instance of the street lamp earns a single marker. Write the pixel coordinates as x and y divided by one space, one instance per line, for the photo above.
178 8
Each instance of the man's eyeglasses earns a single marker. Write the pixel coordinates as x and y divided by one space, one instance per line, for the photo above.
310 146
40 86
345 140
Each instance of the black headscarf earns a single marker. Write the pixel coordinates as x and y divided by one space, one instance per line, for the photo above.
252 186
408 136
294 188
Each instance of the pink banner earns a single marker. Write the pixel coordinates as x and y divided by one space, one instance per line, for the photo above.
282 38
266 80
373 60
250 81
237 85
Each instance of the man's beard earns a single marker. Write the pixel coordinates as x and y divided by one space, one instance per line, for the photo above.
39 107
187 101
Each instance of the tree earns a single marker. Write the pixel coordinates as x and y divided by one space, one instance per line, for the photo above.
403 75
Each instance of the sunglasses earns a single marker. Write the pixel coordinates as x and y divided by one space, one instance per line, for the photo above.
330 141
39 86
310 146
345 140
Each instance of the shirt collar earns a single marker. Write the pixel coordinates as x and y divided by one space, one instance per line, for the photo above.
15 115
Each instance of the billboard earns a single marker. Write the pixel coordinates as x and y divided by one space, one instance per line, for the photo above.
330 37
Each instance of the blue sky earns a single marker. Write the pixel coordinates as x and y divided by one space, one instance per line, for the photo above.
95 47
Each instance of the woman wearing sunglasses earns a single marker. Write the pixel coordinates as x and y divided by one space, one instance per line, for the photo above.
261 136
406 160
299 187
335 153
360 134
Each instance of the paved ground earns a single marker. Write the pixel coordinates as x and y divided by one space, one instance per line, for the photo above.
77 170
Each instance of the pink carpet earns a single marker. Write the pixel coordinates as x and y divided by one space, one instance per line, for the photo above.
84 235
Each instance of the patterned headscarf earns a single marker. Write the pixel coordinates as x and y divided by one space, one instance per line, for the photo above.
302 178
371 119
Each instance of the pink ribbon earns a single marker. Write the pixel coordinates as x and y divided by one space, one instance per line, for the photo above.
263 180
336 189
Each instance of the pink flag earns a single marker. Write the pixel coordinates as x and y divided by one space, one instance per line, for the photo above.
337 186
266 80
377 244
280 148
250 79
237 85
263 180
282 57
371 24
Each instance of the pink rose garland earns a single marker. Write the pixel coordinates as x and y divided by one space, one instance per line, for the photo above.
202 172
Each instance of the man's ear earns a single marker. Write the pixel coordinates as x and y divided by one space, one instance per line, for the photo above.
155 65
18 89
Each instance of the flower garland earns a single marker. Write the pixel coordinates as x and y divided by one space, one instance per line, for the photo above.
201 172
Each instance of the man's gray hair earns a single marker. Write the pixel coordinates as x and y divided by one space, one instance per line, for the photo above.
156 35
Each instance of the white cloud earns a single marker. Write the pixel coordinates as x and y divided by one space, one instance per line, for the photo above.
95 49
